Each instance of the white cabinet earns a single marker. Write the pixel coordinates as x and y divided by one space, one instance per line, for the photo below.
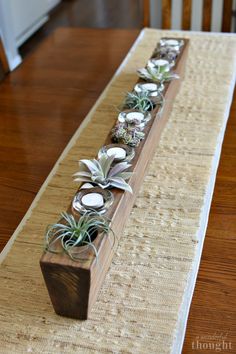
28 15
19 19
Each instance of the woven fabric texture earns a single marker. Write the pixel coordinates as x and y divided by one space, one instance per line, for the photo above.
138 306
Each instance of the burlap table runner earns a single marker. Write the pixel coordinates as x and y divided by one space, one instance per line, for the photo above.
143 304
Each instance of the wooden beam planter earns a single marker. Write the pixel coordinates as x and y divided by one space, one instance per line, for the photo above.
73 286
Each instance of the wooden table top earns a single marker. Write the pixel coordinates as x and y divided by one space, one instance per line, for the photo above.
42 104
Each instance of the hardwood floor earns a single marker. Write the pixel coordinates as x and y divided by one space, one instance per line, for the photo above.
88 13
42 104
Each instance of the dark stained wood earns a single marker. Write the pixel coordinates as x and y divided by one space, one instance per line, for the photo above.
227 15
84 278
186 14
42 104
166 14
146 13
66 282
206 15
2 73
88 14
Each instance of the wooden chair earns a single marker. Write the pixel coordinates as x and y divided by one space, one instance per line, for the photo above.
4 68
186 14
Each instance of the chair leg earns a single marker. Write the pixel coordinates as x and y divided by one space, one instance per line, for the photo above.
146 13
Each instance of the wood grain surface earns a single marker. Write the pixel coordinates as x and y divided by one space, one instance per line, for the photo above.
186 14
227 15
146 13
42 104
166 14
206 15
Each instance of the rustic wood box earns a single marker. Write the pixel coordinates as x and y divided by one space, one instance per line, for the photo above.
73 286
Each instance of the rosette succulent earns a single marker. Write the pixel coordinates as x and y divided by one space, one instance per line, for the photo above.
103 173
156 74
127 134
159 64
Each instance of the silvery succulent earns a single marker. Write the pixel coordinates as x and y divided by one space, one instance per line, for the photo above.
156 74
103 173
153 63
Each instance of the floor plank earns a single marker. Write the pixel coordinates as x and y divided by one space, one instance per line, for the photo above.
89 14
42 104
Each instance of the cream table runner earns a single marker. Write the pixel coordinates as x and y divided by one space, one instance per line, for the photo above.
144 302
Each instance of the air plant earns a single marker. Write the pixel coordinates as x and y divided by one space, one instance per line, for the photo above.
138 100
71 233
156 74
127 134
103 173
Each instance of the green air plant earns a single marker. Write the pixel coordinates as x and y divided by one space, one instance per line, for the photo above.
140 101
70 233
156 74
103 173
